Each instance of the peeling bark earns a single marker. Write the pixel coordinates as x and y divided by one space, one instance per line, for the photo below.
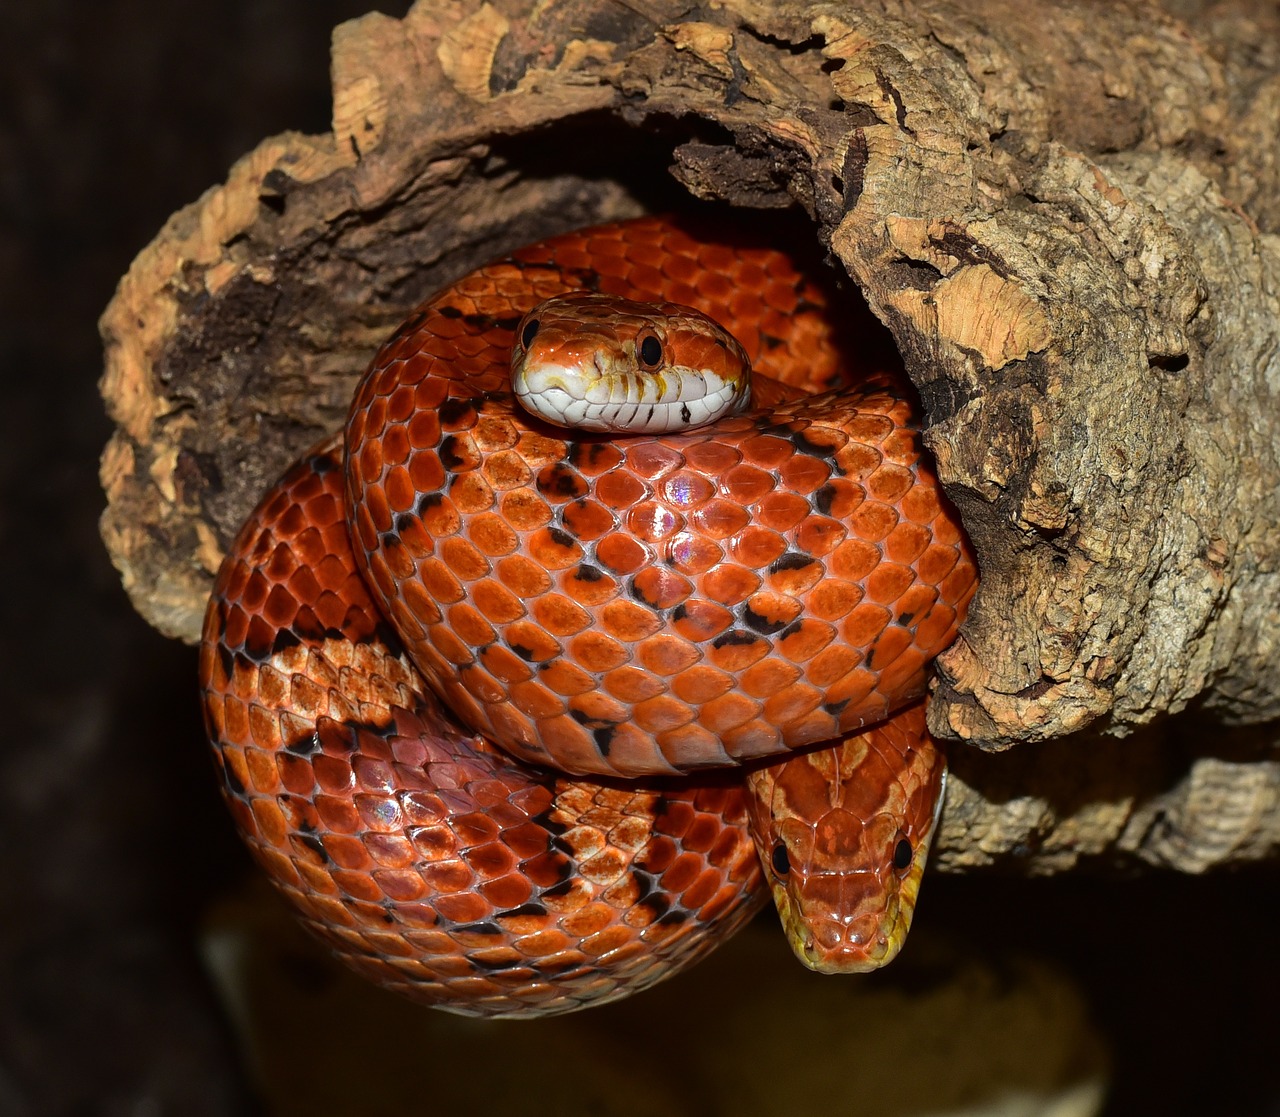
1066 216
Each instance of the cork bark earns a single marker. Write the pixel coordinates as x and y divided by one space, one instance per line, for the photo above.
1065 215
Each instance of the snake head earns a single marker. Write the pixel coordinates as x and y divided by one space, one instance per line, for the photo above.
602 363
844 833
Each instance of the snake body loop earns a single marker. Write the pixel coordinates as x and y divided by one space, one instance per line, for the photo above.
429 861
631 607
661 603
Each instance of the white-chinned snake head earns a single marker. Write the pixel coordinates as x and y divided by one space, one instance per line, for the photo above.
601 363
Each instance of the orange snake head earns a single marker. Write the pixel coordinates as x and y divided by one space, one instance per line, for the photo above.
844 833
602 363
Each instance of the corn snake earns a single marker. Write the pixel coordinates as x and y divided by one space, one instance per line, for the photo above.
626 610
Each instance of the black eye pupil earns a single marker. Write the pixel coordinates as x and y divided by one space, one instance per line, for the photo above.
651 350
902 854
529 332
781 862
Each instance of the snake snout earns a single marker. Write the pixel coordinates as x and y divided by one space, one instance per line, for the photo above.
846 945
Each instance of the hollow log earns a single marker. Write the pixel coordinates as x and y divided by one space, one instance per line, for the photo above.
1066 216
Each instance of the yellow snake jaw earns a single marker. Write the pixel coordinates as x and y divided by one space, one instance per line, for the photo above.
828 942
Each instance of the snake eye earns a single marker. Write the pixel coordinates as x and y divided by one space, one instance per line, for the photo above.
780 860
650 351
902 854
529 332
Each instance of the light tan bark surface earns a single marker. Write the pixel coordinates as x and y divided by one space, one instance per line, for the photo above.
1067 216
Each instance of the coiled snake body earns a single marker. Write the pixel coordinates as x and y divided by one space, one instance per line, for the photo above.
627 609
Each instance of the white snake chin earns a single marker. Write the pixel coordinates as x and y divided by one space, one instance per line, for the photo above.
680 400
590 362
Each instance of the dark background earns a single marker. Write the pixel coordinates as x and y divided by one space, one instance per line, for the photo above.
113 846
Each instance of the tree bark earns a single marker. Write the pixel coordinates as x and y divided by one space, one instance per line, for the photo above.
1065 214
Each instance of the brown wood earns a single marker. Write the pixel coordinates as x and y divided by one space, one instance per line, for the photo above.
1066 214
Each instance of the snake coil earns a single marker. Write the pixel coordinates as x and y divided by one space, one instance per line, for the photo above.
634 608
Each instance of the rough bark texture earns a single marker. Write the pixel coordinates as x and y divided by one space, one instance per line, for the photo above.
1066 215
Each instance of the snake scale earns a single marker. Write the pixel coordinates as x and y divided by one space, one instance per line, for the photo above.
473 686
